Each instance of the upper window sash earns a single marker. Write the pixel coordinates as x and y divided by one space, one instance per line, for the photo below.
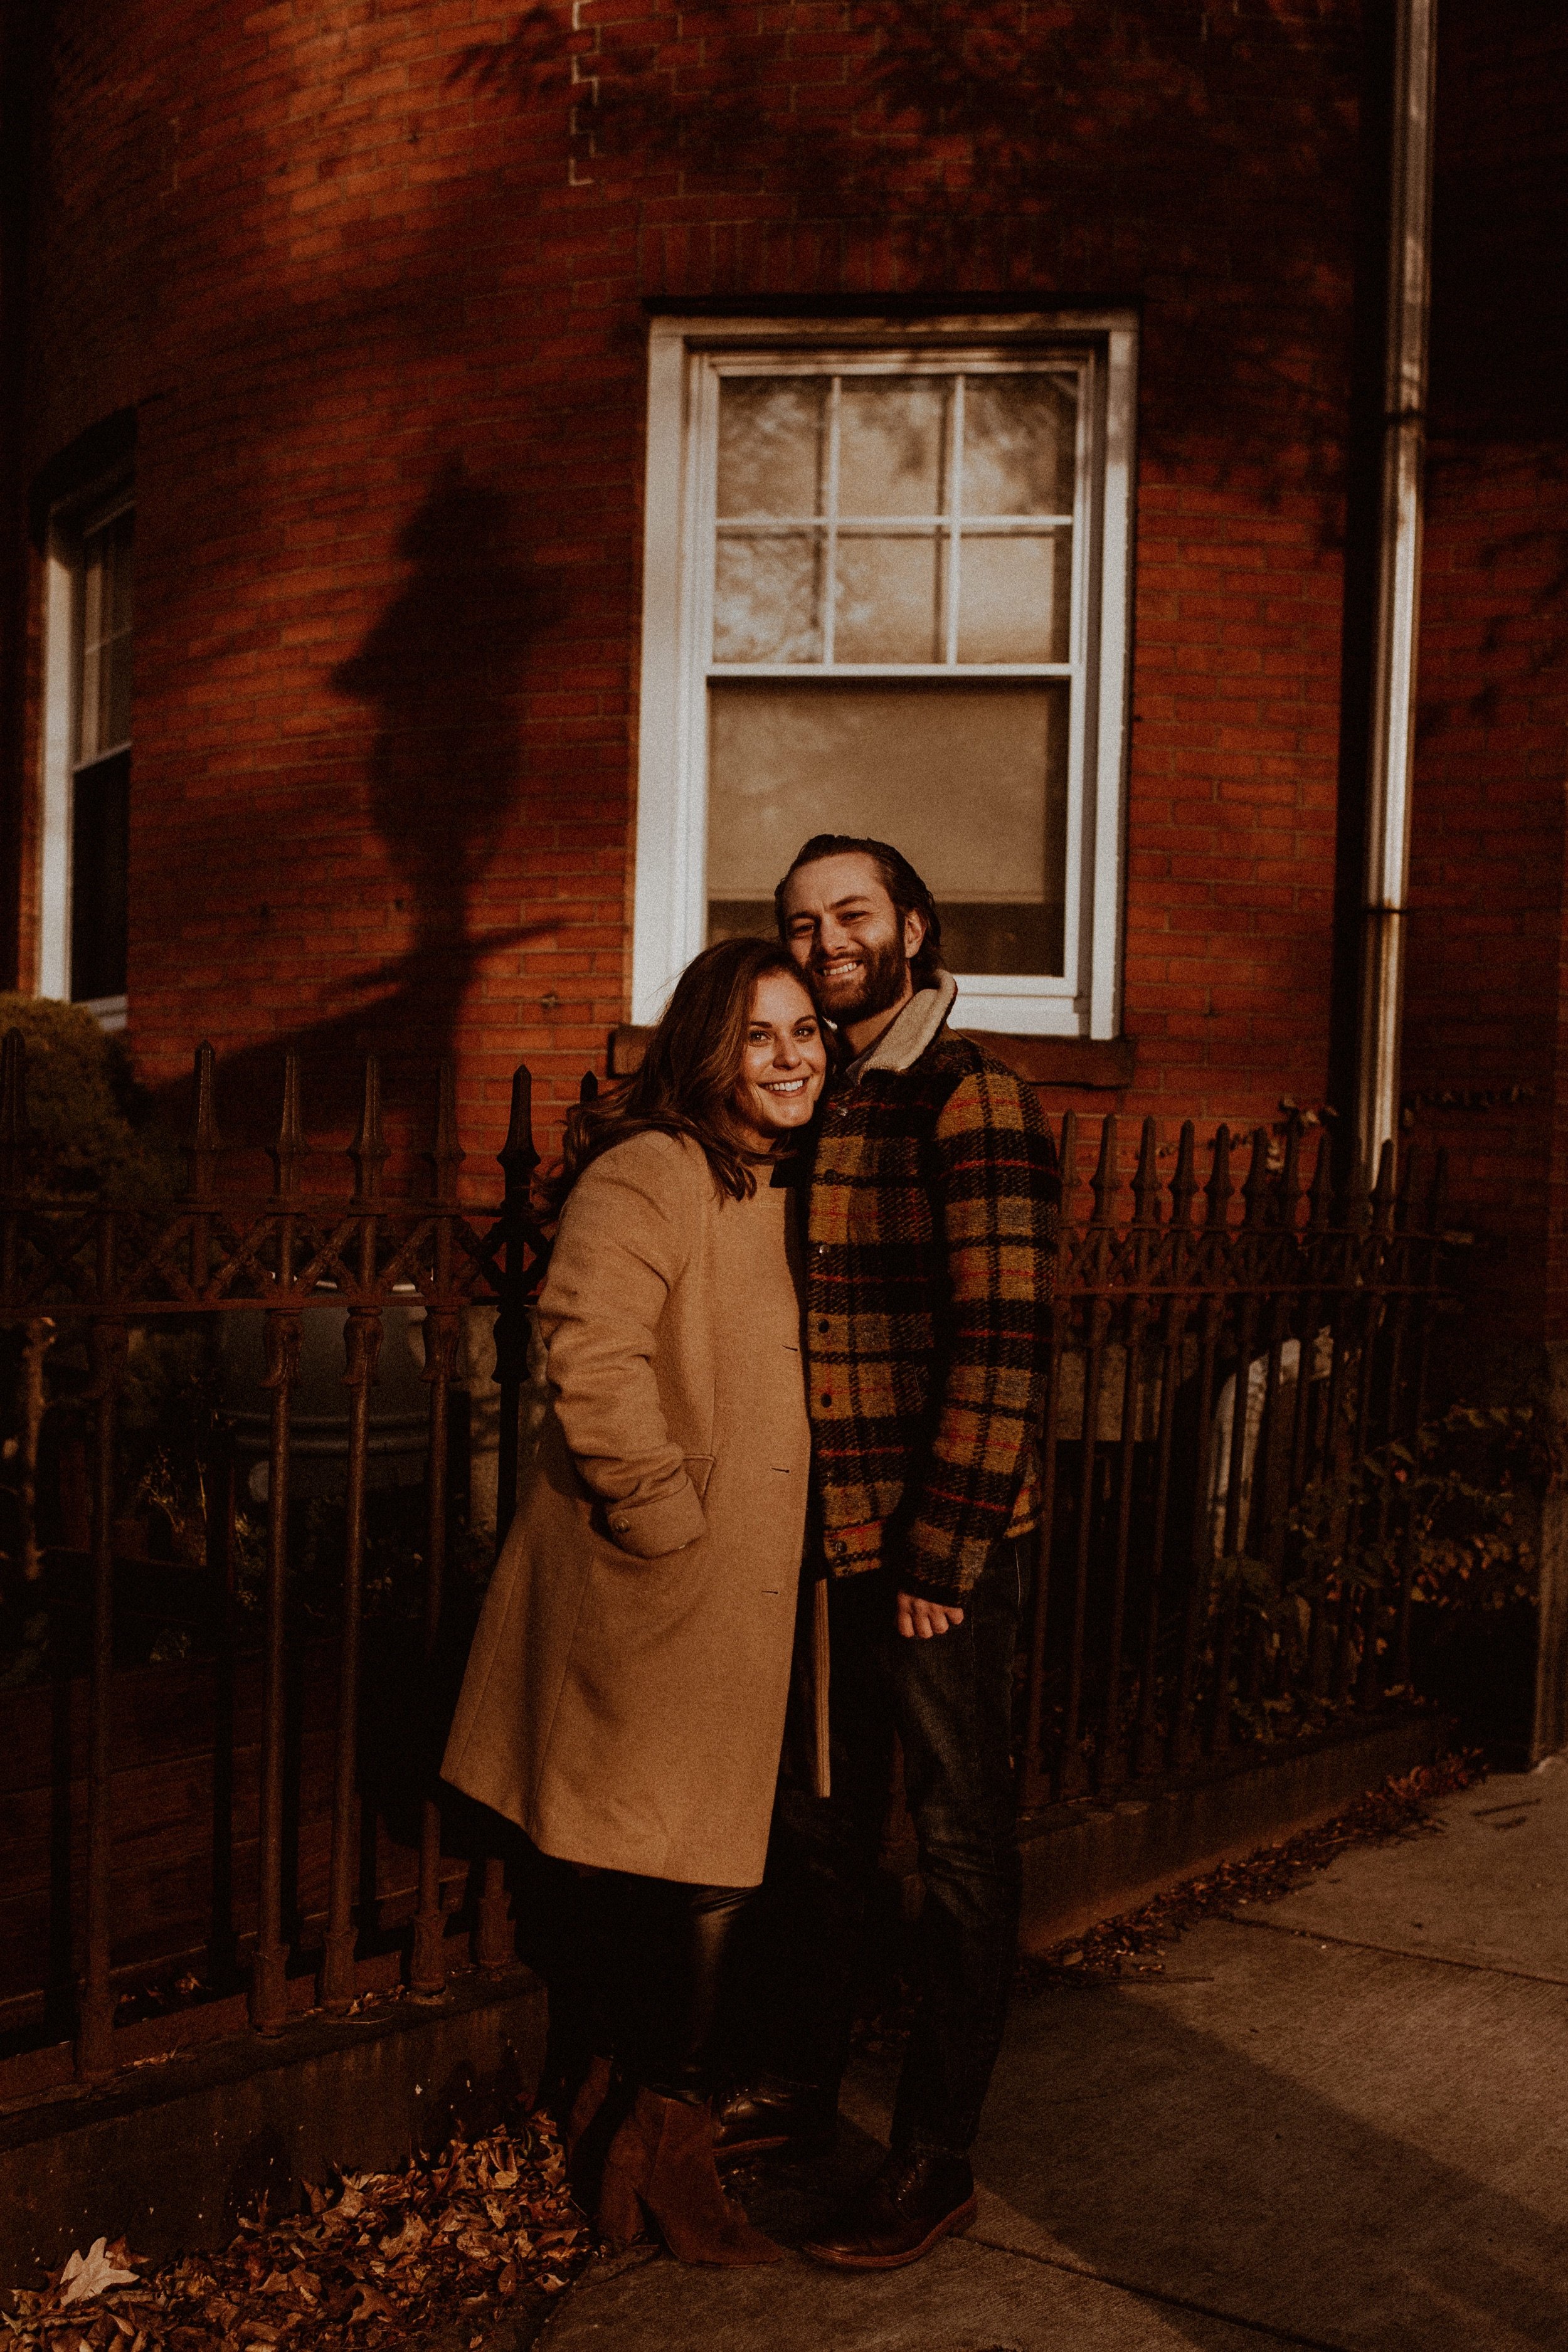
952 526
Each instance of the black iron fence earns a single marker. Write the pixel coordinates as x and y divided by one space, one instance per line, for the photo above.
1236 1381
107 1272
1224 1362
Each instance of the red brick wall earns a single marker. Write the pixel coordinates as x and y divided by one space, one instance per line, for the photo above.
373 274
1485 1000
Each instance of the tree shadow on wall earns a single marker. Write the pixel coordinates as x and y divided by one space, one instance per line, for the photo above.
440 669
1207 155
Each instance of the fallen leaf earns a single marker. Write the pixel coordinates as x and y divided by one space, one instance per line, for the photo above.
89 2275
371 2304
412 2234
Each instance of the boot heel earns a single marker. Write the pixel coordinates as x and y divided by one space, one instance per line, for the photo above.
678 2189
622 2213
963 2221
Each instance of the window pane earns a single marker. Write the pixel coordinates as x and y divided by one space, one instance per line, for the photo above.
114 705
103 702
887 602
1014 598
770 445
1019 432
117 537
891 435
767 595
100 809
968 780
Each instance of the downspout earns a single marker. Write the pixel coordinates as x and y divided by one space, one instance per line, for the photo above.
1398 593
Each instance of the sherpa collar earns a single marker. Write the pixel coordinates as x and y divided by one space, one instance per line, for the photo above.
903 1042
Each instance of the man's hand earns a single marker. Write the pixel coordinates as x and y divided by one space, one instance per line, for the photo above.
924 1617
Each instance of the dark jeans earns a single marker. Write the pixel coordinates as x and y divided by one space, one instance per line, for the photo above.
948 1701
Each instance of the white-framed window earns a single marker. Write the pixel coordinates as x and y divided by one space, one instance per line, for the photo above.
86 752
887 585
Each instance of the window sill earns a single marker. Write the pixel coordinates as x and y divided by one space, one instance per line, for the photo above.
1096 1062
110 1013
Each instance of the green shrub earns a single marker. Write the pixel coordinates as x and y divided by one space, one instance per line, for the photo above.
89 1122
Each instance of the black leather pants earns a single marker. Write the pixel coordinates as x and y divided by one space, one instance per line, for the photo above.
658 1962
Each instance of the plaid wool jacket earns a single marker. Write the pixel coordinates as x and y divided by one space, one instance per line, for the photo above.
931 1252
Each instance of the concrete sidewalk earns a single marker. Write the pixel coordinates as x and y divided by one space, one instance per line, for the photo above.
1339 2121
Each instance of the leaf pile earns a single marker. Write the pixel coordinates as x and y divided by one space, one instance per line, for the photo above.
1134 1944
379 2258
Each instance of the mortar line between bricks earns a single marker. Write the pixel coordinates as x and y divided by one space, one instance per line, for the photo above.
1154 2295
1391 1951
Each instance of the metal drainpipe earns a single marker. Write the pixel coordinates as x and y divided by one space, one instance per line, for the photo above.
1398 582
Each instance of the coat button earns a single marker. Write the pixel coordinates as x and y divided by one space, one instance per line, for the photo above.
822 1322
841 1551
620 1526
827 1396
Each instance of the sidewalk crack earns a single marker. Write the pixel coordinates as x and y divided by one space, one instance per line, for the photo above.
1391 1951
1263 2327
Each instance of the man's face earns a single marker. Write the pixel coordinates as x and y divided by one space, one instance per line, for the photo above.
843 930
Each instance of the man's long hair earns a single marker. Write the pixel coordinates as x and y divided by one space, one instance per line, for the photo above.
902 884
686 1085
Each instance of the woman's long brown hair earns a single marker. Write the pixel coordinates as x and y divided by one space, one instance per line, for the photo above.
686 1085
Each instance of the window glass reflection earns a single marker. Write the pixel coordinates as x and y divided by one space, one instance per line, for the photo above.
770 445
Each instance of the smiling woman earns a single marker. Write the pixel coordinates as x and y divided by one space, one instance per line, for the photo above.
625 1701
782 1062
696 1077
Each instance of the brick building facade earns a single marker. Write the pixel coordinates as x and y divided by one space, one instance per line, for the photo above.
356 300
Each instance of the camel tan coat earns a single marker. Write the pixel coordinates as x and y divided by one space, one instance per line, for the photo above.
625 1697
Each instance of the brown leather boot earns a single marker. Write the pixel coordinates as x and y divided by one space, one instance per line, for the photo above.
660 2164
591 2092
590 2126
899 2216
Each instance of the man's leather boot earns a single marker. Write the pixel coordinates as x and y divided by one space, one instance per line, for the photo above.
660 2165
774 2116
899 2215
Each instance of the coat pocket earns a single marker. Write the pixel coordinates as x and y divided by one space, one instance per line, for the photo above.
699 1469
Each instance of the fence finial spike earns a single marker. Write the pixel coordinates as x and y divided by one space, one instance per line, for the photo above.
1322 1204
290 1148
1146 1180
1290 1173
1358 1196
1383 1191
1255 1191
1405 1194
517 1155
203 1141
369 1150
1103 1183
1067 1162
446 1154
13 1107
1219 1187
1184 1181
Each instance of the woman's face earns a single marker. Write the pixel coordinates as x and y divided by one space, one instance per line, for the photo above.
782 1062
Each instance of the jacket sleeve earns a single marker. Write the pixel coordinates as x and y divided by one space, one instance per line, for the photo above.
997 1195
626 1234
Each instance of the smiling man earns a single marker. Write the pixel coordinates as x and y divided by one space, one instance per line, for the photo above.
930 1254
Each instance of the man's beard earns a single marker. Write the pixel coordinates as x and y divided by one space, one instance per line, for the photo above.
875 988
